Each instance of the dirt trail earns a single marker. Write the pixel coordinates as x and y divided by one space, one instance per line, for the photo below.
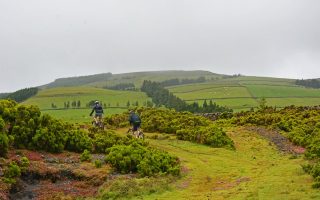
281 142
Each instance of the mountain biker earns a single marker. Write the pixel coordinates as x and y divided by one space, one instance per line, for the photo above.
134 120
99 112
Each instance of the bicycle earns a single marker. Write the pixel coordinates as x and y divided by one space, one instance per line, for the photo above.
98 122
137 134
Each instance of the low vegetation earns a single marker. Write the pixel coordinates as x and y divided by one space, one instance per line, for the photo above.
300 124
29 129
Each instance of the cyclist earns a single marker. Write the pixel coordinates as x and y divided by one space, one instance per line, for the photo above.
135 121
99 112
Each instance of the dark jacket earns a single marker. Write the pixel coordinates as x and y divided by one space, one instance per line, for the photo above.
134 119
98 109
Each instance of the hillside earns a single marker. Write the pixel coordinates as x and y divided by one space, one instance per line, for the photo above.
108 79
243 93
115 101
236 92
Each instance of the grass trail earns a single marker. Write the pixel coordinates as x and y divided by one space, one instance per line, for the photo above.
256 170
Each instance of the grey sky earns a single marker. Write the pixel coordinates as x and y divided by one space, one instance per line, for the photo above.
41 40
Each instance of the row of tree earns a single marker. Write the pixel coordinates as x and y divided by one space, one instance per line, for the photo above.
162 97
22 95
312 83
77 104
122 86
177 81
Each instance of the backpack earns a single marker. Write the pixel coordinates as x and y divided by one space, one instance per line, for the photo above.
135 118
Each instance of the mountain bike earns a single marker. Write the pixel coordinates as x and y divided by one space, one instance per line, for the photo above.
137 134
98 122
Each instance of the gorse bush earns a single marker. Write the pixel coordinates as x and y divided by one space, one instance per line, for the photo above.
185 125
78 141
12 172
85 156
29 129
301 125
146 161
4 140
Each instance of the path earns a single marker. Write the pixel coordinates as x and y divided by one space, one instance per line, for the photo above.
256 170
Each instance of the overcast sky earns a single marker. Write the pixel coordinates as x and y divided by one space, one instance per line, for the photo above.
41 40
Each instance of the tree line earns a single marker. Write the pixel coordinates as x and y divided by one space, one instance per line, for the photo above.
122 86
23 94
162 97
177 81
77 104
312 83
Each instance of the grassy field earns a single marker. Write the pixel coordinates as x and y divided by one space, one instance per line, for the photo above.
242 93
256 170
58 96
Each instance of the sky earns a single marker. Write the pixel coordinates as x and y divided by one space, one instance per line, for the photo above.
41 40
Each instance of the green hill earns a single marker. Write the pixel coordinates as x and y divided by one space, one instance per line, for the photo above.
115 101
108 79
236 92
241 93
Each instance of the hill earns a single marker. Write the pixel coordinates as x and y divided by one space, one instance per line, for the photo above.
243 93
108 79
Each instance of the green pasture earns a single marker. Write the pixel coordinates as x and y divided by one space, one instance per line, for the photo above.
80 115
112 98
282 102
138 77
255 170
242 93
117 100
217 92
282 91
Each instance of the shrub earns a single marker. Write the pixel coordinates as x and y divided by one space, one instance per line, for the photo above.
98 163
145 161
85 156
78 141
4 144
24 163
105 140
13 171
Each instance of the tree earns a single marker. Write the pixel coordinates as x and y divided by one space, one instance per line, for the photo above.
128 104
262 103
78 104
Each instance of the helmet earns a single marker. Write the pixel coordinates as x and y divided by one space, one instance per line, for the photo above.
131 111
96 102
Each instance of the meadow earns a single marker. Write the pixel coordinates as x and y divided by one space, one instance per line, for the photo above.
243 93
255 170
116 101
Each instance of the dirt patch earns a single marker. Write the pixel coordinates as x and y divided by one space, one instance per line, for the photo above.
281 142
53 175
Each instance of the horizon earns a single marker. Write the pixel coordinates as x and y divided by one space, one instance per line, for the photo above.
75 76
45 40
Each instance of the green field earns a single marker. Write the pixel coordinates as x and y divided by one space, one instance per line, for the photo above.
238 92
117 100
242 93
256 170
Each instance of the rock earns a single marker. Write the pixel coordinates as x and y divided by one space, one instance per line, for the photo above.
52 160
